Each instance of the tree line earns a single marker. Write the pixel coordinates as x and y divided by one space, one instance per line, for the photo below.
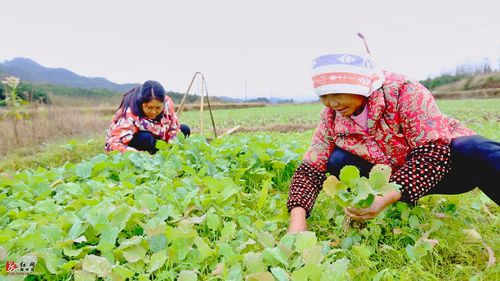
465 70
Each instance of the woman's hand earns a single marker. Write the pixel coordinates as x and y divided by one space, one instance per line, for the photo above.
297 220
378 205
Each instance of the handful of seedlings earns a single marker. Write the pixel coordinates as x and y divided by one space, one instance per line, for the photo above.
351 189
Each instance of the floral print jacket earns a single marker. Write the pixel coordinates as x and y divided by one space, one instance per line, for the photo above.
402 118
123 128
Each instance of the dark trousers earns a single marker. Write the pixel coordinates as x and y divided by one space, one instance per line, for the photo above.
145 141
475 162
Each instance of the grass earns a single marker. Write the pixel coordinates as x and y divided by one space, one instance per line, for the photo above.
50 125
56 154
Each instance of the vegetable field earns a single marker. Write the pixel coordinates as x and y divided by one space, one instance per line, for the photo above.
216 211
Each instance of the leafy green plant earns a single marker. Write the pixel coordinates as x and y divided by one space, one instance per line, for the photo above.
16 110
198 211
357 191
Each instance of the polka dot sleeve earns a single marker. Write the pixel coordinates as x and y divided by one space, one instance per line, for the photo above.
305 187
426 166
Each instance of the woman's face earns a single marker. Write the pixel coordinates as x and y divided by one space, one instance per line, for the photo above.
152 109
345 104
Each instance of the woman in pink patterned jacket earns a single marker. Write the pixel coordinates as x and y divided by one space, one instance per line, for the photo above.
377 117
145 115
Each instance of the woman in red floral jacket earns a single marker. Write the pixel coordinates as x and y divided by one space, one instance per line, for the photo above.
145 115
377 117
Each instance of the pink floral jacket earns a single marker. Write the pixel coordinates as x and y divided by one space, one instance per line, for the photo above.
406 130
123 128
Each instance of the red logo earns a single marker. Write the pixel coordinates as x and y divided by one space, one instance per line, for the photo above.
11 266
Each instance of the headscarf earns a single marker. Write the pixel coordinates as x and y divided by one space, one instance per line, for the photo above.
350 70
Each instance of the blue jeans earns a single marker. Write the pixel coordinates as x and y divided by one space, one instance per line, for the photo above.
475 162
145 141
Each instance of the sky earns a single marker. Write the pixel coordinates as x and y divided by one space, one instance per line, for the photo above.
257 48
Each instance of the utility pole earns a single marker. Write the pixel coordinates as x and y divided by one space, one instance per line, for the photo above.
246 92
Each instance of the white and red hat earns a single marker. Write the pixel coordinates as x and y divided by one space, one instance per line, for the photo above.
348 71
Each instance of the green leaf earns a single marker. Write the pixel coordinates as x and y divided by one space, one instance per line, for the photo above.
213 221
266 239
157 243
187 275
271 254
260 276
263 194
338 270
52 260
313 255
414 222
121 272
134 253
379 176
300 275
280 274
155 226
33 241
388 187
120 216
179 249
365 203
349 175
157 260
304 240
309 272
253 262
228 231
362 251
83 170
287 241
97 265
363 190
69 265
435 225
415 252
165 212
108 239
72 252
147 200
81 275
332 186
161 145
205 250
134 241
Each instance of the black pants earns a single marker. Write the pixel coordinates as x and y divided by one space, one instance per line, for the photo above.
475 162
145 141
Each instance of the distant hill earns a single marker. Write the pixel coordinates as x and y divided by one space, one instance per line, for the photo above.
473 82
31 71
63 82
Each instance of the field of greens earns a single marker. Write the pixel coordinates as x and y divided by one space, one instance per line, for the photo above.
216 211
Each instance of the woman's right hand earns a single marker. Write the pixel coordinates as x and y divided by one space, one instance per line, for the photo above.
297 220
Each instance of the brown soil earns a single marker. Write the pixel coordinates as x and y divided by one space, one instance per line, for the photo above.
281 128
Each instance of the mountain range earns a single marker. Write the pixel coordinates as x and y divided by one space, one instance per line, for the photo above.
28 70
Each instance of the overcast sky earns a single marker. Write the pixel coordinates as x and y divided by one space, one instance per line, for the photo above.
269 44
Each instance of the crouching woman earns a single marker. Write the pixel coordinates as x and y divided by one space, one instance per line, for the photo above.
145 115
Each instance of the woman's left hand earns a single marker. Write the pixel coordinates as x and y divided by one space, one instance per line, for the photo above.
377 206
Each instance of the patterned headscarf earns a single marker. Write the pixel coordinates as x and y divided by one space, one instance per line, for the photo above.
349 71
